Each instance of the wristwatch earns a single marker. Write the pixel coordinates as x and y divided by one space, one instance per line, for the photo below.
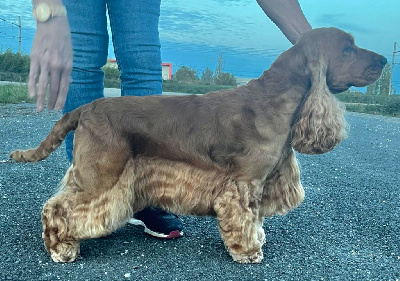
44 11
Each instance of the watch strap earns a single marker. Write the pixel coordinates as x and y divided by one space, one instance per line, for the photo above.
58 11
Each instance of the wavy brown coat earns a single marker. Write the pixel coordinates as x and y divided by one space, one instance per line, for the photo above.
227 154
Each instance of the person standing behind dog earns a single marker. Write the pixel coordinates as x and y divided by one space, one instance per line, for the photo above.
71 42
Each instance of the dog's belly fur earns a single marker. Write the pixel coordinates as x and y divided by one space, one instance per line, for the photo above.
175 186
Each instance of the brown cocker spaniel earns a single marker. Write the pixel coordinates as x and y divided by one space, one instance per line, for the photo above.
227 154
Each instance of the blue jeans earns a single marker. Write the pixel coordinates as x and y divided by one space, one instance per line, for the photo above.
134 28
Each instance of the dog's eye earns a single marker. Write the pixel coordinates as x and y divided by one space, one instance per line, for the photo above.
348 50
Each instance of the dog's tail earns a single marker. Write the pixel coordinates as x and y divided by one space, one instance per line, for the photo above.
58 133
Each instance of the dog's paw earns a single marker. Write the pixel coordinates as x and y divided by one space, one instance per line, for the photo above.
23 156
18 156
254 258
65 252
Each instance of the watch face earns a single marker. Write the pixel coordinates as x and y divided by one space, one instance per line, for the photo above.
42 12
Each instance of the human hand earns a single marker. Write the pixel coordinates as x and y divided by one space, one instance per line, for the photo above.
51 63
288 16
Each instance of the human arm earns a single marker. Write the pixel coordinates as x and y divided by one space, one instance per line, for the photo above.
288 16
51 60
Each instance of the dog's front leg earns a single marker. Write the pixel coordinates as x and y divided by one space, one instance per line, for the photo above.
283 191
238 221
251 195
260 231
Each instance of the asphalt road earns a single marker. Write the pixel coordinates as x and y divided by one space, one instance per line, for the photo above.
348 227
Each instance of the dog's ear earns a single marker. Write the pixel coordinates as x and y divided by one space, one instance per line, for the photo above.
321 125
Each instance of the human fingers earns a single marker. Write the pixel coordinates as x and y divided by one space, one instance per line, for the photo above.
33 74
54 87
63 90
41 88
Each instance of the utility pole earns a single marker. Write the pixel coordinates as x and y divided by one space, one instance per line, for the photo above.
392 68
19 33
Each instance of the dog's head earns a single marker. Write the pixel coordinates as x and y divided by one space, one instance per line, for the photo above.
331 52
332 63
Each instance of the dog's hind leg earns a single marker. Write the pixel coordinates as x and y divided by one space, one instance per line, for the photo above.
74 215
238 225
61 246
107 211
55 215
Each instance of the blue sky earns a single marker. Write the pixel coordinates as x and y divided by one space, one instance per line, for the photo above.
193 33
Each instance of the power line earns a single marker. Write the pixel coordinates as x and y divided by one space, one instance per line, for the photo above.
10 22
19 29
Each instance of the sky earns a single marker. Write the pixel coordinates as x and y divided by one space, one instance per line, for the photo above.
194 33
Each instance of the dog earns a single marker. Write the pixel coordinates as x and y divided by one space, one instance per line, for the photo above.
228 154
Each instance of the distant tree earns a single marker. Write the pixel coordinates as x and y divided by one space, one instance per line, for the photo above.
7 61
220 65
207 77
385 78
14 66
221 77
186 74
381 86
111 72
225 79
372 89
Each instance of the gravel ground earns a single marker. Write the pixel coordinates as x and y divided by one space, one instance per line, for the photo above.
348 227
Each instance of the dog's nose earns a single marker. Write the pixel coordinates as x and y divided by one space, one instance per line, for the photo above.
383 60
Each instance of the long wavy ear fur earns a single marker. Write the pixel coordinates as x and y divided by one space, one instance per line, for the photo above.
321 125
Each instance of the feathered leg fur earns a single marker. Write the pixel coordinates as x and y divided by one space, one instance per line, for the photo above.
238 225
283 192
73 215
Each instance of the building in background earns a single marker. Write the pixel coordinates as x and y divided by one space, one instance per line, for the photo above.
166 68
